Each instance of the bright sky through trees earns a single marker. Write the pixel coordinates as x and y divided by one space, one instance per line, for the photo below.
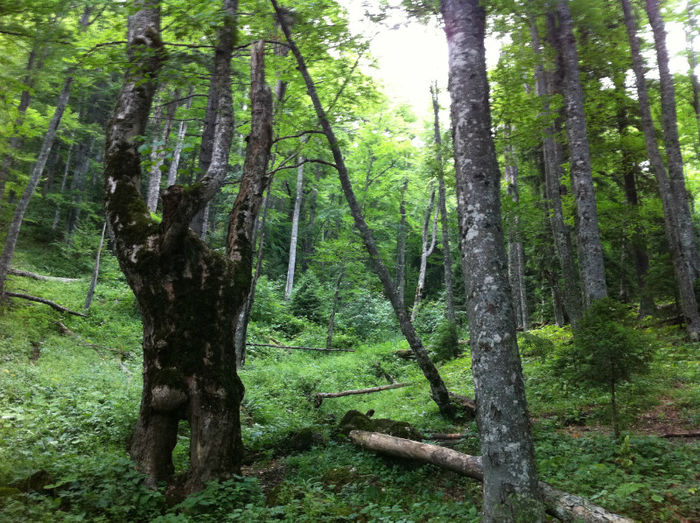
410 55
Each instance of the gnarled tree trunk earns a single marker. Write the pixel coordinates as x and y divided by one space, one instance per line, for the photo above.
189 295
511 491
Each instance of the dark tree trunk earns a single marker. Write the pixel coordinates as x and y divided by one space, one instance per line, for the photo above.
64 180
552 153
77 185
511 491
682 265
637 240
693 62
16 223
442 204
588 235
189 295
438 389
686 233
400 273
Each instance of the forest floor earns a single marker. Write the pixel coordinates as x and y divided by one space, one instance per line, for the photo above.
68 401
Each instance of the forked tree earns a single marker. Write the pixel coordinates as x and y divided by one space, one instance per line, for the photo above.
188 295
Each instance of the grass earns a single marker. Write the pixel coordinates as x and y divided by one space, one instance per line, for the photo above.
68 403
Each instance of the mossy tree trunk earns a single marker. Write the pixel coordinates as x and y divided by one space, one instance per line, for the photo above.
188 294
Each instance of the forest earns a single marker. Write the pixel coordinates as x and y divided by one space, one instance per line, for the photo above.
242 279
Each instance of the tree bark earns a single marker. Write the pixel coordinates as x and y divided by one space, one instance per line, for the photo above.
442 204
77 184
682 265
222 65
511 491
588 235
400 273
426 250
64 179
516 254
686 233
563 506
295 231
189 295
96 271
177 153
16 223
15 140
693 62
158 156
438 389
552 155
320 396
334 308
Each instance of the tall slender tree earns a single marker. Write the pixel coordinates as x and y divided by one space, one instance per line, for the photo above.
682 265
511 491
438 389
590 247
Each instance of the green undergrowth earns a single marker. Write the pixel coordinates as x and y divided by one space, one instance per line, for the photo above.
69 399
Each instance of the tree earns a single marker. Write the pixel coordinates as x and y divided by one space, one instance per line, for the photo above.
510 474
682 261
438 389
188 295
588 235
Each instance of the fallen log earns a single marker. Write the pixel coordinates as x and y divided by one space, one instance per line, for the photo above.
681 435
320 396
438 436
564 506
53 305
35 276
297 347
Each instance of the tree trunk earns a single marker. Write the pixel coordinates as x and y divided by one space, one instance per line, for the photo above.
96 272
693 62
516 254
182 131
15 140
563 506
442 204
400 274
189 295
16 224
511 491
426 250
334 308
158 156
552 155
686 233
77 184
439 392
295 231
590 247
241 333
682 265
64 179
